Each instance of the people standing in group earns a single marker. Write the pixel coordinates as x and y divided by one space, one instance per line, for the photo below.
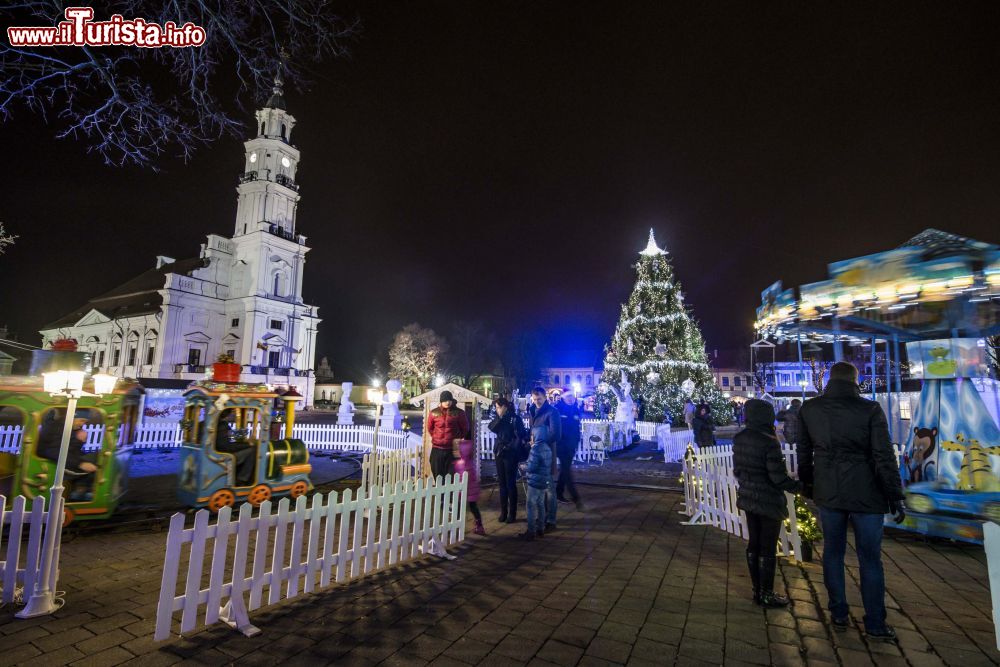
570 415
689 411
511 442
544 415
538 473
703 426
446 424
848 467
759 466
466 463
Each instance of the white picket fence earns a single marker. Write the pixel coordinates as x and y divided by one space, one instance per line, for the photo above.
317 437
19 569
300 549
710 493
386 468
710 496
585 452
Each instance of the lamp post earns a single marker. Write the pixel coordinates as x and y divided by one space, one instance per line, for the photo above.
68 384
375 396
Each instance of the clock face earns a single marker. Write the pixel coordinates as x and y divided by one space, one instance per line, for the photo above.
285 162
253 157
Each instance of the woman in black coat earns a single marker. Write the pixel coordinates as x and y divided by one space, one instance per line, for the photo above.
760 469
703 426
510 431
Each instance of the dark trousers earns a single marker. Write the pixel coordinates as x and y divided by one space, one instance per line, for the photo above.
245 456
442 461
507 483
566 477
764 532
868 544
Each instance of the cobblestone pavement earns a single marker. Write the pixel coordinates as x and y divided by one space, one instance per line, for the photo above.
621 582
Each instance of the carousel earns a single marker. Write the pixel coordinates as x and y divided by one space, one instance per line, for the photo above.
932 305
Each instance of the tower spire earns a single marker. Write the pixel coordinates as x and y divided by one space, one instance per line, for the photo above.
651 248
277 99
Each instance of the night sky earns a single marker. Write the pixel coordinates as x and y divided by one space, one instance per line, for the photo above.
504 162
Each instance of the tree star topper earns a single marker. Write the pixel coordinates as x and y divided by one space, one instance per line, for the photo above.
651 247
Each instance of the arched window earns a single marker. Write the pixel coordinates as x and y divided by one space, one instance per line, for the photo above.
277 285
262 128
567 380
283 131
579 378
590 380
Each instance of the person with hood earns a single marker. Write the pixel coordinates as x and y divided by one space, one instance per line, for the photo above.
511 432
759 466
848 467
703 426
446 425
544 415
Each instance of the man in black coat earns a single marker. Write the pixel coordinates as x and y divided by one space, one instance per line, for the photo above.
848 467
570 416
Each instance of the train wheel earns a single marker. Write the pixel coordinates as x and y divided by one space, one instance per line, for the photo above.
259 494
68 516
221 498
299 488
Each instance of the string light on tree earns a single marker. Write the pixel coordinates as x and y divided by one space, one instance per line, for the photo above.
659 344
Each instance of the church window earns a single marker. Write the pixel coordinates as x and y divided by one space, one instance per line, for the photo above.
235 322
283 131
116 355
194 356
131 354
100 359
277 324
231 353
272 359
262 128
150 352
277 291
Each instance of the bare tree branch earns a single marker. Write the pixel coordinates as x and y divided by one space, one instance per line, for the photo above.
133 104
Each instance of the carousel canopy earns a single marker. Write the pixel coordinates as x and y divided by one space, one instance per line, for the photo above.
936 285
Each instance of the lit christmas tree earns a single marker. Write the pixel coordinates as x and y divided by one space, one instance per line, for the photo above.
659 346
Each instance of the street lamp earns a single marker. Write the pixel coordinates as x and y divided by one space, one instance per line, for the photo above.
576 388
66 384
438 381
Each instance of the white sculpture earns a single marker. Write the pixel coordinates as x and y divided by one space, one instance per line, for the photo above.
625 412
346 413
391 417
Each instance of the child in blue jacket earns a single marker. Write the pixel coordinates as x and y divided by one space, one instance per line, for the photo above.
539 476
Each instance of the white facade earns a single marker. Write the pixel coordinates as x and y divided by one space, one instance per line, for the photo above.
588 378
241 295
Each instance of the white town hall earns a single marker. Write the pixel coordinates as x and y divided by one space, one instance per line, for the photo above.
240 296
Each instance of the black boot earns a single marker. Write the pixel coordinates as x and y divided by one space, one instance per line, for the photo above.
753 564
768 598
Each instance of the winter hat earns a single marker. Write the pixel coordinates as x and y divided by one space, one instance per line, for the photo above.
446 396
759 414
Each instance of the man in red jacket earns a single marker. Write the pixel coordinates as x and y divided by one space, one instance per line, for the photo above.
446 424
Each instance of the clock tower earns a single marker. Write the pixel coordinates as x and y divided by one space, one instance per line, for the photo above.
268 193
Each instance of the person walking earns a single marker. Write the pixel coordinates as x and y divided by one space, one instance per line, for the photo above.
848 467
543 414
569 417
792 429
511 433
703 426
446 424
760 468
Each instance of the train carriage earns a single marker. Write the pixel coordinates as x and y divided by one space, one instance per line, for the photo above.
225 426
23 471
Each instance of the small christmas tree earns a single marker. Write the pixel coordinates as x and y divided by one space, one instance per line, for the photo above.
659 346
